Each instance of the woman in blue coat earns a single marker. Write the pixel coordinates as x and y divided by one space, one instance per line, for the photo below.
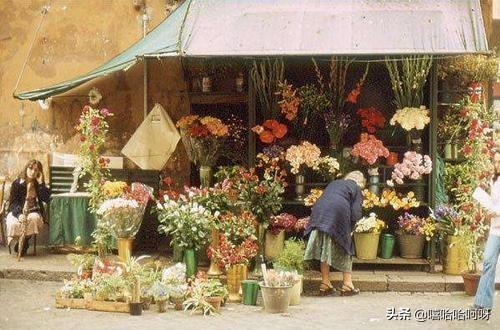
332 222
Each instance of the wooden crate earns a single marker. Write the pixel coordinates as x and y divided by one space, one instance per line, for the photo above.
109 306
62 302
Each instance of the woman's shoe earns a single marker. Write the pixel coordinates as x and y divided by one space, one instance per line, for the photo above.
348 290
325 290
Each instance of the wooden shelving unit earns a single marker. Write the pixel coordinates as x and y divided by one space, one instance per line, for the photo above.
217 98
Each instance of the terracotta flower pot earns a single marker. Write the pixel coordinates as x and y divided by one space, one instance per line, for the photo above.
162 306
215 302
471 282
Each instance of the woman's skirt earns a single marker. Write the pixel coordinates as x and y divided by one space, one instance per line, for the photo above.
322 247
33 223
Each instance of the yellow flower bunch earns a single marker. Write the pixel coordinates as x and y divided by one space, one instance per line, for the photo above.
311 199
389 197
215 125
112 189
428 229
370 199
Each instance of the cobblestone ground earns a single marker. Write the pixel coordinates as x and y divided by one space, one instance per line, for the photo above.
30 305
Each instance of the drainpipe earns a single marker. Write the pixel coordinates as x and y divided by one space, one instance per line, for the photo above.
145 20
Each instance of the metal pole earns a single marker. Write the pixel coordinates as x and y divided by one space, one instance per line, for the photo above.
145 20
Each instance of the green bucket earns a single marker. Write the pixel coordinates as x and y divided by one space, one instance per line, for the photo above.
250 290
190 261
387 248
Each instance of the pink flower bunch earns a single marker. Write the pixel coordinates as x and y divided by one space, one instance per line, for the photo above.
302 224
283 221
412 224
369 148
413 166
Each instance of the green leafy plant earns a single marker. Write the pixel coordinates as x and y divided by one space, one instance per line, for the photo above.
77 288
112 287
83 261
200 291
291 257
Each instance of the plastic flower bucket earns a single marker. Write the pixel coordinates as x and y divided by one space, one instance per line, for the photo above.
366 245
387 246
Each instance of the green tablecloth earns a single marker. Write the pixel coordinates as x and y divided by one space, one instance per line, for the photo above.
69 218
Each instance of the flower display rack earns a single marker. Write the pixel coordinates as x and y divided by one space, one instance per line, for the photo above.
217 98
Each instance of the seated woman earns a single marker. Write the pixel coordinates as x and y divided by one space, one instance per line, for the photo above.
333 218
27 194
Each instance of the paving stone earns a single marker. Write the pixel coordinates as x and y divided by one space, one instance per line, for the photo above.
422 283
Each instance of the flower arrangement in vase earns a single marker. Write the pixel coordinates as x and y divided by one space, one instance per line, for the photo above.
411 118
366 236
204 139
411 224
390 197
370 224
369 149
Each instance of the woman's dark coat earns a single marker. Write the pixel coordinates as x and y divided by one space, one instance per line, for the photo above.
18 196
337 211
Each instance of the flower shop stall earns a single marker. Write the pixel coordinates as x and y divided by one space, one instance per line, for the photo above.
276 116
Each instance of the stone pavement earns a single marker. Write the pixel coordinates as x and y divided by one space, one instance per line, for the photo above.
55 267
30 305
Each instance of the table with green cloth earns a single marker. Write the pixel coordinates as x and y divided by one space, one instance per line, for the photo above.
69 218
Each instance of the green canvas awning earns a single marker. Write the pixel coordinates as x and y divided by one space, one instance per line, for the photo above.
205 28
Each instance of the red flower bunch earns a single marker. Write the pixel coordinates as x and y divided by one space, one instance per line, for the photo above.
289 105
270 131
371 119
369 148
237 228
228 254
197 130
283 221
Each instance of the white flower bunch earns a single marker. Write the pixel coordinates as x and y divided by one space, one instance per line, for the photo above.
331 164
175 274
370 224
116 203
411 118
306 153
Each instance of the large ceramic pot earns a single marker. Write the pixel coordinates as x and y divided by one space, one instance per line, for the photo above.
235 275
366 245
455 261
276 299
411 246
274 244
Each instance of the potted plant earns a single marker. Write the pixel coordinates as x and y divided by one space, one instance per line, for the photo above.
74 293
449 225
160 292
188 224
367 236
275 233
234 258
291 259
202 296
112 287
471 237
276 289
84 262
175 279
203 138
412 234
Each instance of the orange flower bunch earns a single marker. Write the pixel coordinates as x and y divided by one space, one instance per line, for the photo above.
289 105
197 126
270 131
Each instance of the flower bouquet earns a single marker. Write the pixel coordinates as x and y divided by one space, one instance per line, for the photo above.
238 227
230 254
204 139
283 222
448 220
304 155
369 149
371 119
413 166
124 214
